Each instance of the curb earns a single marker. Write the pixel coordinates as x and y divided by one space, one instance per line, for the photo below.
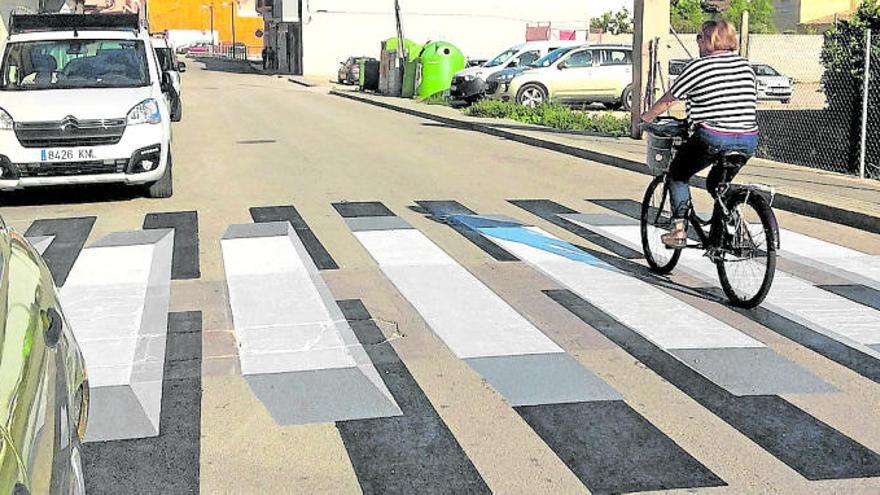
833 214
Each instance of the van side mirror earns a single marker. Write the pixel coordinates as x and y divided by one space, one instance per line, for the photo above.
166 84
181 67
512 64
561 65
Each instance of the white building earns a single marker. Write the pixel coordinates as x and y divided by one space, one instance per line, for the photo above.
313 36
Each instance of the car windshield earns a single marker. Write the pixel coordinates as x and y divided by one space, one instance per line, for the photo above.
74 64
550 58
502 57
765 70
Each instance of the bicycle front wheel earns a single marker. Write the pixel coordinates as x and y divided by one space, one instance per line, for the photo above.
747 263
656 220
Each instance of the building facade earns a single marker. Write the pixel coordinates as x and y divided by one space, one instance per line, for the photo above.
794 15
197 15
314 36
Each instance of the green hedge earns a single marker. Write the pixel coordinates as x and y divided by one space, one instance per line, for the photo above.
555 116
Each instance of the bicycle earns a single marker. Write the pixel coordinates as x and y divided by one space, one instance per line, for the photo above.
743 234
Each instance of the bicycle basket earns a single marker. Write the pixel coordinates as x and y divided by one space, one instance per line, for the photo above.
660 152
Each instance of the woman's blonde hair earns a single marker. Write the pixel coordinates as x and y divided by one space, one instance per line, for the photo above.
720 36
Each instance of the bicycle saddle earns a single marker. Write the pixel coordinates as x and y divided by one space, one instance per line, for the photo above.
734 159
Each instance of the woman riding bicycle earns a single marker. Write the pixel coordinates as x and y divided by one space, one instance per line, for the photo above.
721 93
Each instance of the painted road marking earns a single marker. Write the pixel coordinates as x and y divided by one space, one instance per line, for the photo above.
567 405
856 266
812 448
858 357
170 460
185 263
851 323
475 323
441 209
288 213
70 235
382 450
708 345
297 352
116 299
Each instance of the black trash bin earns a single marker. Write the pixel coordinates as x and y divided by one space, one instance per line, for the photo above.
371 75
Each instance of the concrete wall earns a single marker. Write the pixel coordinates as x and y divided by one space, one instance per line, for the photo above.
336 29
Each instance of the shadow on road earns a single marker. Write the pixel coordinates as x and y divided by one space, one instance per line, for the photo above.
226 65
80 194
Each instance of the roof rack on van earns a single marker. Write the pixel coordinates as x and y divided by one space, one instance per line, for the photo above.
23 23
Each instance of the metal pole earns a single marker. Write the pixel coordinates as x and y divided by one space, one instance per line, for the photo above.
213 41
744 35
866 86
233 29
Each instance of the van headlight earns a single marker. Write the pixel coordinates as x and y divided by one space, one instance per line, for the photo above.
6 121
145 112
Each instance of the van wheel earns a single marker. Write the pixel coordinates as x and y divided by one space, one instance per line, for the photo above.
162 188
531 95
176 110
626 99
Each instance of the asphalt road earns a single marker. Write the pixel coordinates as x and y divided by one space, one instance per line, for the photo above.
612 409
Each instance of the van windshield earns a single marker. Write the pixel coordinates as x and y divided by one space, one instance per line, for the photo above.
502 57
74 64
550 58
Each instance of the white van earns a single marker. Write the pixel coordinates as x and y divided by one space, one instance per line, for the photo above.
470 84
82 101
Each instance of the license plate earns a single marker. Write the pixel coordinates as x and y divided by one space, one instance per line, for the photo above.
67 154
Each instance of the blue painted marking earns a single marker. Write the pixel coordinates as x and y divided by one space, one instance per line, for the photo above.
43 155
514 232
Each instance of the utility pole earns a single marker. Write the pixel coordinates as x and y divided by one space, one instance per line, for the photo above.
401 45
234 3
744 35
213 41
650 21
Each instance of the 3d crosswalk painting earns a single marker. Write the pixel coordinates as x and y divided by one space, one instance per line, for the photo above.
312 356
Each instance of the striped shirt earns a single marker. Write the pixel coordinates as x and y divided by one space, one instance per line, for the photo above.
721 93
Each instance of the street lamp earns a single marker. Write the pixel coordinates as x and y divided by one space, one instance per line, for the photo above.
213 41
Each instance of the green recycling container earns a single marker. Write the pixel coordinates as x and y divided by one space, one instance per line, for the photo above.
410 76
412 48
362 70
440 61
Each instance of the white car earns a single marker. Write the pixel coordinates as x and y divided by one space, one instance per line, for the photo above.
580 76
771 84
82 101
470 84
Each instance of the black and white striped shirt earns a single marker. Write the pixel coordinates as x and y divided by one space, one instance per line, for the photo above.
721 93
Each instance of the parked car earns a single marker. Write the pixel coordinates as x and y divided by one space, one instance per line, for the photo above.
498 84
584 75
167 61
44 390
771 84
83 101
350 70
199 48
676 67
470 84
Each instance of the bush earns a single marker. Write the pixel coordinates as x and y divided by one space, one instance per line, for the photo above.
553 115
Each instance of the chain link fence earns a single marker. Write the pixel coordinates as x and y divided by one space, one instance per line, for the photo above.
811 98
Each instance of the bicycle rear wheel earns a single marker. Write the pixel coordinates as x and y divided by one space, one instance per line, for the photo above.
747 263
656 220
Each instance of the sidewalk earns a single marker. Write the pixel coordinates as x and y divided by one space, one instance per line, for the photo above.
825 195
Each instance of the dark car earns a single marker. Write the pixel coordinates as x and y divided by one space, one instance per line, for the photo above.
44 392
350 70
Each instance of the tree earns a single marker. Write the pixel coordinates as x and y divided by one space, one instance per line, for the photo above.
689 15
843 55
614 23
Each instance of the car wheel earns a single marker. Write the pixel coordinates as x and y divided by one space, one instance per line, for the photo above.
626 99
162 188
531 95
176 110
786 101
